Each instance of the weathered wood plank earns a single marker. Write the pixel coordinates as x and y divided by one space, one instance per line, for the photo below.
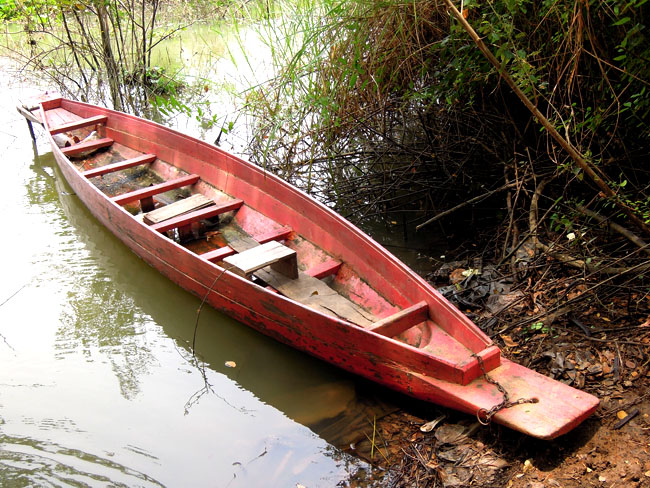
97 119
87 146
128 163
223 252
204 213
32 115
279 257
180 207
313 293
404 319
306 289
155 189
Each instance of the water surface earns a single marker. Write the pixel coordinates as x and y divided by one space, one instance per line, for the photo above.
98 386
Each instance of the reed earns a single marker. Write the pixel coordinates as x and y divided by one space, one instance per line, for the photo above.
348 113
388 107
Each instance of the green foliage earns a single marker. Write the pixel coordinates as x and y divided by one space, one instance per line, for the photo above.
8 9
346 69
587 62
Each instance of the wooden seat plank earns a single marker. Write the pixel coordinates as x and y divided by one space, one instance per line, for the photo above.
180 207
87 146
397 323
204 213
223 252
306 289
150 191
279 257
128 163
97 119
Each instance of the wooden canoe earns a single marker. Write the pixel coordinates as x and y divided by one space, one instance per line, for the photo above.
272 257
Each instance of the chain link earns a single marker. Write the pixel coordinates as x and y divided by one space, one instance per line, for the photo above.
484 416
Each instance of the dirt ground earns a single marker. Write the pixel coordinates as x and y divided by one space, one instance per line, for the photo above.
602 346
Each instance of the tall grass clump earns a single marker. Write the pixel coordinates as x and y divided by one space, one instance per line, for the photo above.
389 106
349 114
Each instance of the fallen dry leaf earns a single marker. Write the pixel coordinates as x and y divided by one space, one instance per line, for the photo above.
450 434
429 426
456 276
507 340
528 463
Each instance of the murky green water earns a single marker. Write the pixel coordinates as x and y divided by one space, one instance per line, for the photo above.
97 384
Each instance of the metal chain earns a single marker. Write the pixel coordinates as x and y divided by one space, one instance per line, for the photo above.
483 415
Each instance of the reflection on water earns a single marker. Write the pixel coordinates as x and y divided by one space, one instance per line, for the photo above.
97 383
29 462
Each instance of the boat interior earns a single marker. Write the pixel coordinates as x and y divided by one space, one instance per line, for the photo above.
225 230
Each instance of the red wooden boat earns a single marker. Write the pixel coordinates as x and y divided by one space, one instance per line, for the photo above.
275 259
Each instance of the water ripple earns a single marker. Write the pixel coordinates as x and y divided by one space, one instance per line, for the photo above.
28 462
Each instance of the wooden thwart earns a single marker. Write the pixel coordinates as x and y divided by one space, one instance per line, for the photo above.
155 189
128 163
305 289
98 119
87 146
281 234
218 254
180 207
281 259
404 319
204 213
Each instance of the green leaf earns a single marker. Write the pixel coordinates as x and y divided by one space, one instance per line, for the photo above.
622 21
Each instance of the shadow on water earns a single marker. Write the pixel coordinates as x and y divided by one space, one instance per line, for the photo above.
334 404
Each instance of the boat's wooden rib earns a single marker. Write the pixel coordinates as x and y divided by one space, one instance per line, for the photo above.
87 146
421 345
402 320
281 234
325 269
119 166
153 190
70 126
204 213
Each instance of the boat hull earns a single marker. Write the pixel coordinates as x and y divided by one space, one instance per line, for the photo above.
388 361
